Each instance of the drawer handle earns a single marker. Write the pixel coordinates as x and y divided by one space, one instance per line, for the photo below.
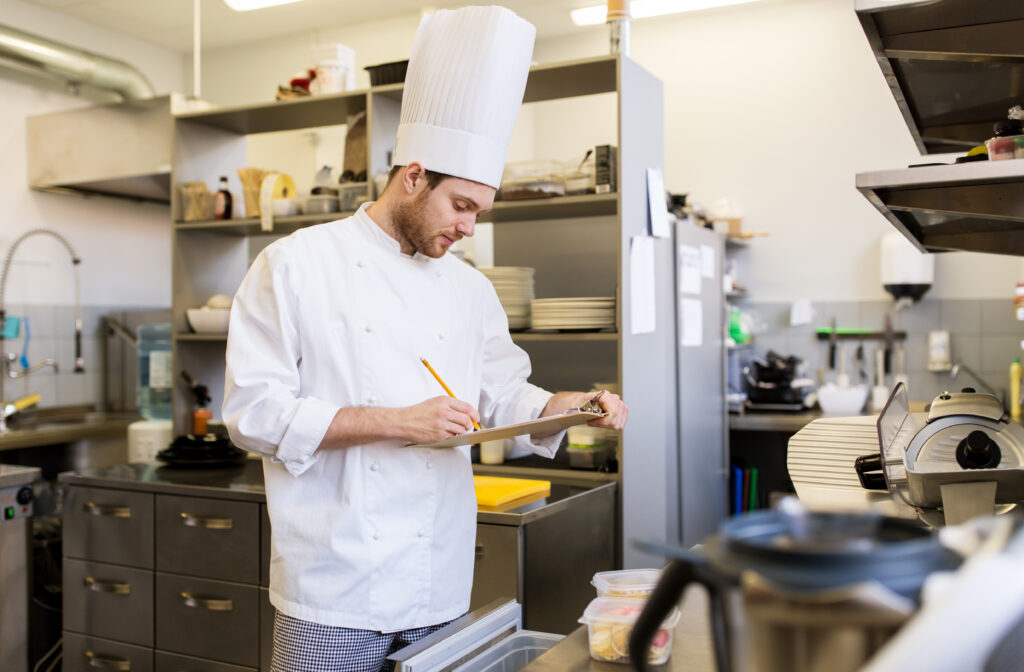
479 552
209 522
100 586
103 662
210 603
94 509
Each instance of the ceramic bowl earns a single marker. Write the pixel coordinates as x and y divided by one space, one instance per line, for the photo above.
835 400
208 320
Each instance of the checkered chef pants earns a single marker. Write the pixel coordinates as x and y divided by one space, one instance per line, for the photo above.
301 646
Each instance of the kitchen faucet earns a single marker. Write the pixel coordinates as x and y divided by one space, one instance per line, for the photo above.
8 358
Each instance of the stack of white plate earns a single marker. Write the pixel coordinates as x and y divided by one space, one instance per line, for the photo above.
514 285
574 313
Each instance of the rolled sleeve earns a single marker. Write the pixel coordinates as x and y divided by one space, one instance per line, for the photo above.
298 448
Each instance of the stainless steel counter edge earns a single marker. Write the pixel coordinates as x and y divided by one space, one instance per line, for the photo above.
29 438
249 487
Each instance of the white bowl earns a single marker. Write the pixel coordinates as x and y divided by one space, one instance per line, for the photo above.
835 400
208 320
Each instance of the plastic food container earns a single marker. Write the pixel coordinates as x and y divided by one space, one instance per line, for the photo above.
387 73
631 583
580 178
321 205
590 457
353 194
609 623
532 179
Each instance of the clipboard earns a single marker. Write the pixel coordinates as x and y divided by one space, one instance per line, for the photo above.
546 425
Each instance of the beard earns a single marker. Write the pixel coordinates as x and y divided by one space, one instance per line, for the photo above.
410 220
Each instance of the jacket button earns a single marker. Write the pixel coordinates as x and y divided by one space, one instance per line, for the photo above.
359 264
421 533
430 465
440 336
372 399
368 328
374 467
376 536
437 274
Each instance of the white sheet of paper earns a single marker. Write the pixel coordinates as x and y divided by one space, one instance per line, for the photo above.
707 261
641 284
656 200
692 318
800 312
689 270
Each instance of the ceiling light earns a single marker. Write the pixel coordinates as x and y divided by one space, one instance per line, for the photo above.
246 5
592 16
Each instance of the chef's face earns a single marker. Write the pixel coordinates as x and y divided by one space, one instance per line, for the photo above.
433 219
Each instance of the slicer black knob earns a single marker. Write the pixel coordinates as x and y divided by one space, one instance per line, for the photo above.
978 451
24 495
968 390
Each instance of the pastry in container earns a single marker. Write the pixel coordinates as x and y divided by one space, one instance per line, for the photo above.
532 179
632 583
610 621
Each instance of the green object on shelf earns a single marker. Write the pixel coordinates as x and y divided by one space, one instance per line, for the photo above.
737 333
752 505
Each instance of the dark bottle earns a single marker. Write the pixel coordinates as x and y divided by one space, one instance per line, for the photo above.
222 201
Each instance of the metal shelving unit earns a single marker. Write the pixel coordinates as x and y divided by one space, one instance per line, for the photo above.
954 67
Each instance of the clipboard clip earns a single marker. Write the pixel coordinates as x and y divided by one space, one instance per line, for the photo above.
592 406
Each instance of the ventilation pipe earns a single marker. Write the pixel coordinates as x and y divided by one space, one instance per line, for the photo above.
42 56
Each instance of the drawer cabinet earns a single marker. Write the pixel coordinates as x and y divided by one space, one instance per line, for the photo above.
212 538
496 569
209 619
114 526
172 662
264 546
92 654
108 601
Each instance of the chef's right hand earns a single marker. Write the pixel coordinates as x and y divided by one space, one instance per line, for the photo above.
436 419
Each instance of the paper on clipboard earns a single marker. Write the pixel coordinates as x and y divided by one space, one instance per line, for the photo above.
546 425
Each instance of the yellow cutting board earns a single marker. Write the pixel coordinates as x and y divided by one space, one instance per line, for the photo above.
495 491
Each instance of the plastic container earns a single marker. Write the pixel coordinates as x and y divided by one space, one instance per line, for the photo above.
512 653
532 179
321 205
630 583
335 69
155 374
387 73
590 457
1005 143
352 194
609 623
580 178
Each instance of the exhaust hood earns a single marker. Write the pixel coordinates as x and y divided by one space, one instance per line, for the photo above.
121 149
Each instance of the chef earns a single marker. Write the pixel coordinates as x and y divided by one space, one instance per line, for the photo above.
373 540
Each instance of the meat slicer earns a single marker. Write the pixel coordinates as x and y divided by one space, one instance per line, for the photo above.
963 457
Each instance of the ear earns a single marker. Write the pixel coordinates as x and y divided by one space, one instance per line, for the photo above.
413 175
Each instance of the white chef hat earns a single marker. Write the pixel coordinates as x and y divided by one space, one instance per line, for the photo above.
463 90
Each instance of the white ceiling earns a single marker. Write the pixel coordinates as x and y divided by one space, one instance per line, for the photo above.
169 22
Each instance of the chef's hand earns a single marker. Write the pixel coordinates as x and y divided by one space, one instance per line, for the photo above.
435 419
615 407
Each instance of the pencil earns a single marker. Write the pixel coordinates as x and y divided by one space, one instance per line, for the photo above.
446 388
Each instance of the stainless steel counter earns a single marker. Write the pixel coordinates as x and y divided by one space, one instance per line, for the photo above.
772 421
245 482
691 645
55 426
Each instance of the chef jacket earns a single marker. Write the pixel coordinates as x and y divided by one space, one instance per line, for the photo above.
378 536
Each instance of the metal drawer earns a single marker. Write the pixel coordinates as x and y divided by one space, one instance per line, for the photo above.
212 538
109 601
264 546
267 612
172 662
112 526
498 566
92 654
209 619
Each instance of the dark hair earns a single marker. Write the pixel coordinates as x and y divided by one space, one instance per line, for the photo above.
433 179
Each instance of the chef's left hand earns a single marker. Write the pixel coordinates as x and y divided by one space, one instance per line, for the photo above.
617 411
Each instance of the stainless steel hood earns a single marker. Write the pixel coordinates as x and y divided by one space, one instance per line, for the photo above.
121 149
955 67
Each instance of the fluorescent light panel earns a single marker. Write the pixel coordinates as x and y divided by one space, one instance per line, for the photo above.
246 5
640 9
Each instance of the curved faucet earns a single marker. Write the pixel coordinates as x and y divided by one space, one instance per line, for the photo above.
6 359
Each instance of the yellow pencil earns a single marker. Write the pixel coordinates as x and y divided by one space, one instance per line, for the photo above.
446 388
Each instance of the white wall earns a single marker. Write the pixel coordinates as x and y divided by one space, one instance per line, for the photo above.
124 246
776 106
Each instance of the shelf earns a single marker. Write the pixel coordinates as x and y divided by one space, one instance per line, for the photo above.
525 336
251 225
557 207
978 207
206 338
545 82
954 67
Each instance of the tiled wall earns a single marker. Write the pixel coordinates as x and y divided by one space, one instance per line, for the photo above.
109 378
984 335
